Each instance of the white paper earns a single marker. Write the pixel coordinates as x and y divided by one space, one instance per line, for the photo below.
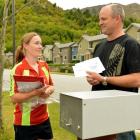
92 65
28 86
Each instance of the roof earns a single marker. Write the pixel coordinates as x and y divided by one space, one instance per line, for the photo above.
137 25
94 38
75 45
49 46
70 44
9 54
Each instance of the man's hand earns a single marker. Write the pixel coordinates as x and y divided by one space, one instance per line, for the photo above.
94 78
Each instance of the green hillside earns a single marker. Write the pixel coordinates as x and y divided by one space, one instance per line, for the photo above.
51 22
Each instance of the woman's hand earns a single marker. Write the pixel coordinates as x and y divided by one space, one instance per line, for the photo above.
49 90
39 91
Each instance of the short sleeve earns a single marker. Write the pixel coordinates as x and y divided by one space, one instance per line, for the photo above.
132 56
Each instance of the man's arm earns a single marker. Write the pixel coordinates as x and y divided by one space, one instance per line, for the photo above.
128 81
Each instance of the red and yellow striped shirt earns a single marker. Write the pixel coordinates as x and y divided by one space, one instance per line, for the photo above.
28 116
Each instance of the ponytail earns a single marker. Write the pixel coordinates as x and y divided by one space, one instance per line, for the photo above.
19 54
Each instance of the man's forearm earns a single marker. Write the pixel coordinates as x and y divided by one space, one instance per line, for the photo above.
131 80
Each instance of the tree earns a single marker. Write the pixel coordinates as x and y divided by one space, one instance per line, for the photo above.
2 46
25 1
87 13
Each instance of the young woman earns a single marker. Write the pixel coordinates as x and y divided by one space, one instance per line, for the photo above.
31 121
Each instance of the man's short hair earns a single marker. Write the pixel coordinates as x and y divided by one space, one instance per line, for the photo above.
117 9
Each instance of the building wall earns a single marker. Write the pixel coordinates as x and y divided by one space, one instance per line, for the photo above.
132 31
83 45
48 54
82 48
57 58
67 55
86 49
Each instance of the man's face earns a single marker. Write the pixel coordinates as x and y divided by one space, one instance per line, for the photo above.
106 21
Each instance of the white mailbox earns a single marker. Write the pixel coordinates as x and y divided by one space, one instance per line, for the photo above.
98 113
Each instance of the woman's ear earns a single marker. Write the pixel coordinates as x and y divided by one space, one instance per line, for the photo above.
25 46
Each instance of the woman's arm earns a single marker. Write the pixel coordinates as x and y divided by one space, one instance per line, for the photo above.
22 97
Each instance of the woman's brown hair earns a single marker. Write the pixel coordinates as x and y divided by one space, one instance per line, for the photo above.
20 52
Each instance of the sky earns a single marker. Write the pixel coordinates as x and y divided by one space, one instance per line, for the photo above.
69 4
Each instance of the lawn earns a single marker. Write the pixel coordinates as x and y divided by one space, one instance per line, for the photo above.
138 136
59 133
8 133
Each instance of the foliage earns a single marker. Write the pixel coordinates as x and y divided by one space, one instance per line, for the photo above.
8 63
64 68
49 61
129 20
51 22
75 61
1 10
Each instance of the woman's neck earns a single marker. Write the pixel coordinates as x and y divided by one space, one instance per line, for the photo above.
32 61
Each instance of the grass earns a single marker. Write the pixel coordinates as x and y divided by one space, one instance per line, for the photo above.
138 137
8 133
7 108
59 133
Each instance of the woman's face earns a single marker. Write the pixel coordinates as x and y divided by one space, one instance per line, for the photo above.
34 47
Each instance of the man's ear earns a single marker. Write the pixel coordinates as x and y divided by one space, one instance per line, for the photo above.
118 18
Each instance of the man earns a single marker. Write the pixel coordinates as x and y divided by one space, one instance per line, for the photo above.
120 54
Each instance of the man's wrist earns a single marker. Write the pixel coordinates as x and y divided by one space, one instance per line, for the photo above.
104 81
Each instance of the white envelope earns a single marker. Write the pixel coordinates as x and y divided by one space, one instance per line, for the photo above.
92 65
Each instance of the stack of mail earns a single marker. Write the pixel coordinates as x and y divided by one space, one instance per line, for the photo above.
91 65
28 83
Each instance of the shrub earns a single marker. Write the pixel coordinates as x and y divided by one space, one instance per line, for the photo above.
75 61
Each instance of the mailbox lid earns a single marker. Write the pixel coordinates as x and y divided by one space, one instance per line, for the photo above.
99 94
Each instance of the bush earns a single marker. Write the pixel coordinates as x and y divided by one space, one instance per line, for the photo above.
49 61
64 68
7 64
75 61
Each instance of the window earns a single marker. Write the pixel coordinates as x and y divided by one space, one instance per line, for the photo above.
74 57
82 58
